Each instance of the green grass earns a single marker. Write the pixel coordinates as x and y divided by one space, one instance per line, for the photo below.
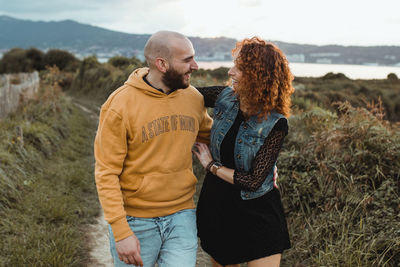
97 81
47 186
337 88
339 171
340 177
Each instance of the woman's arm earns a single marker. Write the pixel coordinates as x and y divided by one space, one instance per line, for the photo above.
264 160
262 163
210 94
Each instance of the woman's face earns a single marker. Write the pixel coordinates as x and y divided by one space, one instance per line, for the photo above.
235 74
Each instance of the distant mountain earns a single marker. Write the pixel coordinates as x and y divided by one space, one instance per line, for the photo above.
83 40
66 34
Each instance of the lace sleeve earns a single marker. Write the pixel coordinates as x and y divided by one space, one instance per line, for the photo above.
264 160
210 94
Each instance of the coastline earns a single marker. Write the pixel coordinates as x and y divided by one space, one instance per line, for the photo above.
318 69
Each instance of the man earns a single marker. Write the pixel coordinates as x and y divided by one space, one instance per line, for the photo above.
143 146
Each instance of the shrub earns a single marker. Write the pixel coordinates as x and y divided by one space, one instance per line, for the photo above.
15 61
358 92
392 77
90 62
340 186
334 76
20 60
119 61
36 56
61 59
123 62
220 73
97 82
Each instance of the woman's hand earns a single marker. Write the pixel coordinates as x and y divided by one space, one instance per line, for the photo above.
203 154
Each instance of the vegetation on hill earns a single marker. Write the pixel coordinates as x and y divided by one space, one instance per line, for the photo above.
46 183
338 88
339 170
27 60
97 81
340 182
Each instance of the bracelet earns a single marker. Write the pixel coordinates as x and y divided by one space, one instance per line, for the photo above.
215 167
209 165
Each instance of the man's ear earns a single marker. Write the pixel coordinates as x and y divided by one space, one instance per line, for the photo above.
161 64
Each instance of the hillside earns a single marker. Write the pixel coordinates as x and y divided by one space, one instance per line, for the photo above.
84 40
67 34
339 169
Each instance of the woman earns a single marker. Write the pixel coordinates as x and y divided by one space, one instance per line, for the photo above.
239 215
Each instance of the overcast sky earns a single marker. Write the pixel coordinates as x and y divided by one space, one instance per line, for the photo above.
321 22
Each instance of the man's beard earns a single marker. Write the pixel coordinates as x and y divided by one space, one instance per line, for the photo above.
174 80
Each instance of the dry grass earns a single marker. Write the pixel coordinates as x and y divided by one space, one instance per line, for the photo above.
46 183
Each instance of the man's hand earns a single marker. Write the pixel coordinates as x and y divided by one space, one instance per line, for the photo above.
128 250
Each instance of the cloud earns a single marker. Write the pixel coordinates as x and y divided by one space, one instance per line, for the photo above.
310 21
393 20
132 16
250 3
148 17
45 6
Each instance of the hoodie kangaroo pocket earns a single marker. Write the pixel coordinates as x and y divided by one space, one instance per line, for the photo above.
165 189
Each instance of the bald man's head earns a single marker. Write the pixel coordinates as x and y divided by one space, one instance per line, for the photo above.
161 44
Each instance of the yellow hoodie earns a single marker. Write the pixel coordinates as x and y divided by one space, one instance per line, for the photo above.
143 151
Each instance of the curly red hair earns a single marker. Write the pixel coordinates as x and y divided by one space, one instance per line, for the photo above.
266 82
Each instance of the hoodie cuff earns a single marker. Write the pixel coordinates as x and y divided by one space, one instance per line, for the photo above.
121 229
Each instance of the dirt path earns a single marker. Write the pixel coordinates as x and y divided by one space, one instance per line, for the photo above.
98 235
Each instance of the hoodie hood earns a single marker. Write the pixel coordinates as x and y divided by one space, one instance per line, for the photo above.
136 80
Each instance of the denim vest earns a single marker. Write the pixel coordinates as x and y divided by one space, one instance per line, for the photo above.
249 139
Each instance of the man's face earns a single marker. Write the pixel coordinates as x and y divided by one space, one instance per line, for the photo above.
181 65
174 79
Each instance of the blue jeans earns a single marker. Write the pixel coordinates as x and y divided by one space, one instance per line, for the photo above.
169 241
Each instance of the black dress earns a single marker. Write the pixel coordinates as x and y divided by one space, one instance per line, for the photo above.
233 230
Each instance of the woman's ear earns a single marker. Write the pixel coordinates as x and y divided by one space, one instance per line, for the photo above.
162 64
